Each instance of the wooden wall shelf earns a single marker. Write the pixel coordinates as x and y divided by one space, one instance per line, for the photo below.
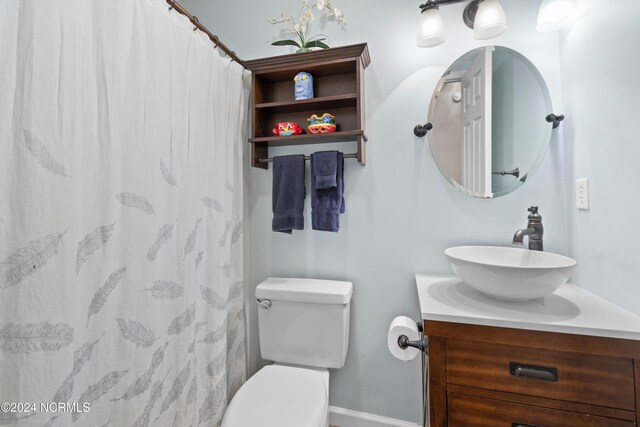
338 88
337 101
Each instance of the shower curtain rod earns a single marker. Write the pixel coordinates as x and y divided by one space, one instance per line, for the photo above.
194 20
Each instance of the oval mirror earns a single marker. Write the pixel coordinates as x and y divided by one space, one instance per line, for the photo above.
488 113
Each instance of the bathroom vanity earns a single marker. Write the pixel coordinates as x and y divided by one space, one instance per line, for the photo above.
568 359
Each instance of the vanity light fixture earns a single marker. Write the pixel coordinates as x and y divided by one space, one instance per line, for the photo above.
555 15
485 17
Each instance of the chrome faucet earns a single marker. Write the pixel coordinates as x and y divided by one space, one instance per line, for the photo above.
534 230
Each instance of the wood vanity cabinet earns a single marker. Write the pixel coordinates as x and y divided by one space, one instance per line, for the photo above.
496 376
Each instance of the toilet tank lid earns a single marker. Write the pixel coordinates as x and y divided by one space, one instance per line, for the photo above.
305 290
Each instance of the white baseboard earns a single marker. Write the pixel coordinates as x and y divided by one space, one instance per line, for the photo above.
347 418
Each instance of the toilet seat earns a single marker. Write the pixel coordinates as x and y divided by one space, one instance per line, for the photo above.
280 396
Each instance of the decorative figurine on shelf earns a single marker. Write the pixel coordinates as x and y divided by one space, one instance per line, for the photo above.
303 85
287 129
323 124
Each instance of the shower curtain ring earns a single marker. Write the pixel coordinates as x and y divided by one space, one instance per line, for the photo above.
196 22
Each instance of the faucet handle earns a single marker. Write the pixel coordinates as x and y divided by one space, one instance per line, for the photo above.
534 213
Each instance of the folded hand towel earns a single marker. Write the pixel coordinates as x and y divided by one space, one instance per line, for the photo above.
325 168
288 193
327 203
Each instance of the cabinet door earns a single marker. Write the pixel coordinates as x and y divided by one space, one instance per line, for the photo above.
472 411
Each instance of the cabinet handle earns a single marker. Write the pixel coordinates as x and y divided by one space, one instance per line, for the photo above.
535 372
514 424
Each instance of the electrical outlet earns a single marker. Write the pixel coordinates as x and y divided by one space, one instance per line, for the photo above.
582 194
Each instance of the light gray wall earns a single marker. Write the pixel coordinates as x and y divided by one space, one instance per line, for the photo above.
600 65
400 212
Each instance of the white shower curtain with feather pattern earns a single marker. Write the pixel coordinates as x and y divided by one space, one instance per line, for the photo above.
121 288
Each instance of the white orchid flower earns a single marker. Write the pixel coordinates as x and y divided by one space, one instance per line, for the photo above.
300 25
310 16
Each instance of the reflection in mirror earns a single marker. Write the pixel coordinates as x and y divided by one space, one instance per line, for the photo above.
488 113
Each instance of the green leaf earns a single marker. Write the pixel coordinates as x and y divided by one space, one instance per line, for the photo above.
285 43
317 43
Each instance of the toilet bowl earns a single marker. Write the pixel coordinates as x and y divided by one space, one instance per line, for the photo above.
281 396
303 326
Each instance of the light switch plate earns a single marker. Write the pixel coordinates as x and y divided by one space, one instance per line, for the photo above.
582 193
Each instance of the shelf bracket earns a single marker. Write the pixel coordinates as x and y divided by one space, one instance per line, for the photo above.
362 158
259 151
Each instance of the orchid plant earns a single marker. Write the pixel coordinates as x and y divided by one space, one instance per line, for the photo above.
299 27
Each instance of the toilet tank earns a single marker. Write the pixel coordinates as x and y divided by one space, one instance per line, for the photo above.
306 322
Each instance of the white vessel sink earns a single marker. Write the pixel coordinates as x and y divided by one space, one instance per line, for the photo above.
509 273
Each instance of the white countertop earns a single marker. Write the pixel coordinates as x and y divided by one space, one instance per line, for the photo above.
570 309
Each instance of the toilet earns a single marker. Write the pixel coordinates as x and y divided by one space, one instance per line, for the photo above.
304 328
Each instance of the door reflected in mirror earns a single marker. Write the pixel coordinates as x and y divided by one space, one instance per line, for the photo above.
488 114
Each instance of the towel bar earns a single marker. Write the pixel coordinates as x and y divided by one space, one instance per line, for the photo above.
346 156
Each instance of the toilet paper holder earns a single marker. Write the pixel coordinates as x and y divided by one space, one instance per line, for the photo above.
404 342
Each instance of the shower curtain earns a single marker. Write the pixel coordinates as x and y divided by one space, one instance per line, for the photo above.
121 288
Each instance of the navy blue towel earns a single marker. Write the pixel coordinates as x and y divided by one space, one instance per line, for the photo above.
325 169
327 203
288 193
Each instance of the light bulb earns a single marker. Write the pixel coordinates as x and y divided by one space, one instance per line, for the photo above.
431 28
490 21
555 15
